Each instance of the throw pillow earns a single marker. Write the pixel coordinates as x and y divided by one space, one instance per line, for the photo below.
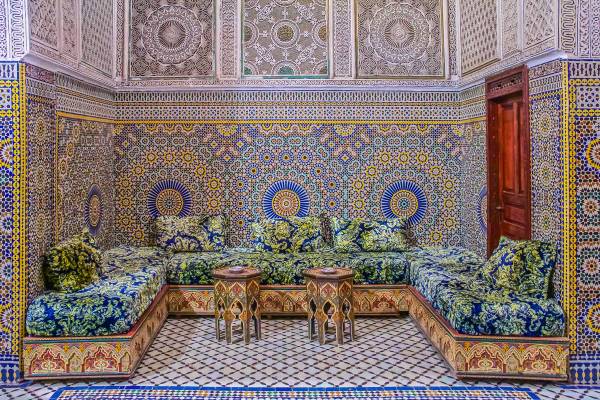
523 267
191 234
359 234
72 264
288 235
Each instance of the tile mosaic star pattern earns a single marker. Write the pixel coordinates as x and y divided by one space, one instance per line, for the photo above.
399 38
387 352
171 38
285 38
249 171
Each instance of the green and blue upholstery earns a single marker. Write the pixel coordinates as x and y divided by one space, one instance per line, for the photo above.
195 233
523 267
451 280
359 234
109 306
288 235
288 268
196 268
72 264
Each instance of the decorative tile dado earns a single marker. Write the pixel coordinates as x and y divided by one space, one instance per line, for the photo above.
478 34
399 38
285 38
171 39
97 35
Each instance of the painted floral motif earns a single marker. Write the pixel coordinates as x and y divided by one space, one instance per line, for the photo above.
289 235
198 233
72 264
523 267
359 234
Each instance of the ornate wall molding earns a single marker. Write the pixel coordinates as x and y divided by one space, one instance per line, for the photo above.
400 39
229 39
342 38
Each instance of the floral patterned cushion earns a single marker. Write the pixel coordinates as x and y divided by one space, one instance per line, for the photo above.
124 259
110 306
450 279
72 264
197 233
492 312
523 267
288 235
288 268
434 270
196 268
354 235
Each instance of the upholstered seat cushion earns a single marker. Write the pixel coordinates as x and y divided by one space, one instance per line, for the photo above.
287 268
484 312
195 268
449 278
110 306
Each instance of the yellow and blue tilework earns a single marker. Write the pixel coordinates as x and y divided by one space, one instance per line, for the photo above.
12 216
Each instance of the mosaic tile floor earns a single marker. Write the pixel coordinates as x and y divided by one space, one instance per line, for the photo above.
388 352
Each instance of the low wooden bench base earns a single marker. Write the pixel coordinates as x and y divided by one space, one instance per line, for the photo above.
113 357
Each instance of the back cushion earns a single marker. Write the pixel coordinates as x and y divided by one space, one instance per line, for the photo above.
72 264
193 234
523 267
289 235
359 234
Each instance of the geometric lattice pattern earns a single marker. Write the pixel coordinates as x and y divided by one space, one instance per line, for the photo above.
478 33
392 393
85 191
399 39
386 353
13 246
97 44
171 39
254 170
285 38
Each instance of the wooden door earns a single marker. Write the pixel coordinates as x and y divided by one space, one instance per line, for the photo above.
509 157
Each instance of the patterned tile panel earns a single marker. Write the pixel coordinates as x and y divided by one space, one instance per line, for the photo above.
473 193
84 187
399 39
478 34
249 170
545 108
171 39
13 246
285 38
41 117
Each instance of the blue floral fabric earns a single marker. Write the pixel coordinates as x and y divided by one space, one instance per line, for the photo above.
288 235
196 268
288 268
195 233
109 306
521 266
359 234
450 279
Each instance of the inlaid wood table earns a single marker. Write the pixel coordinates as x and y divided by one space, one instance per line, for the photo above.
329 294
237 292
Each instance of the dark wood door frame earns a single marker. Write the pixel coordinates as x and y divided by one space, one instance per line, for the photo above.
502 86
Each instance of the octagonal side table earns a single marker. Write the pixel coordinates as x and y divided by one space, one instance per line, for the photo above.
237 294
329 294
